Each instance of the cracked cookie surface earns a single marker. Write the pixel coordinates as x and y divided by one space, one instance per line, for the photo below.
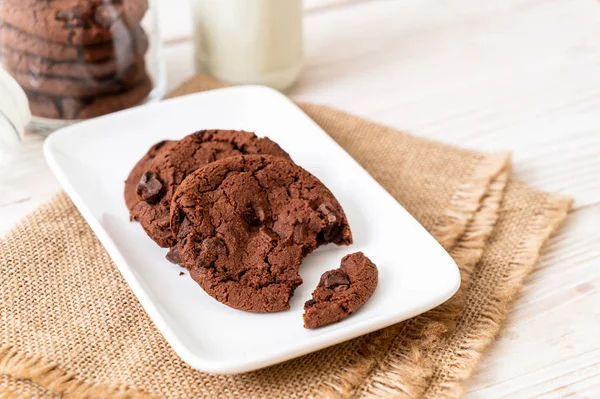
341 291
169 168
244 224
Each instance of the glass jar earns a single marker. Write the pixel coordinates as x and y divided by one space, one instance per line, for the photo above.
79 59
14 116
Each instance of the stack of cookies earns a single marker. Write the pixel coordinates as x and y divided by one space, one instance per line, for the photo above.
240 216
76 59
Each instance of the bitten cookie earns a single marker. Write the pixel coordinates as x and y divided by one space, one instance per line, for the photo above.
76 22
243 225
341 291
131 184
169 169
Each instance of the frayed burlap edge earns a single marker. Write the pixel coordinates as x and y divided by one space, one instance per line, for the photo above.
50 376
471 217
468 199
525 258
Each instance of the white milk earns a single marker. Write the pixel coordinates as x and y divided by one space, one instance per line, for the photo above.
249 41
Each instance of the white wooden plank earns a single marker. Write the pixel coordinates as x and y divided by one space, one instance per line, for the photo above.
519 76
25 182
175 19
179 59
549 345
176 25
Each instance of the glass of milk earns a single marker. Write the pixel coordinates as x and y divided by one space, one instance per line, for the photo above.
249 41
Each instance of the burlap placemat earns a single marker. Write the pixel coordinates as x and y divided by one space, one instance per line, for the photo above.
70 327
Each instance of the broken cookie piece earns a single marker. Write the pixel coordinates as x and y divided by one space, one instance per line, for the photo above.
342 291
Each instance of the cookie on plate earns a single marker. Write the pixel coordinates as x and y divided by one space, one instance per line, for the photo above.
169 169
341 291
131 184
244 224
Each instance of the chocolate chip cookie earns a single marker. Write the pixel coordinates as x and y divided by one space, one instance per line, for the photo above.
131 184
169 169
36 66
121 49
243 225
75 22
81 87
342 291
49 106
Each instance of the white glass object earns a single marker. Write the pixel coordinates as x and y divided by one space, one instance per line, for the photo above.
249 41
14 116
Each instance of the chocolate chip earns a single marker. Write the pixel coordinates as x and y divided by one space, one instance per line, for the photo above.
185 228
309 303
254 216
76 17
341 288
173 256
149 186
106 15
332 222
211 247
181 273
336 278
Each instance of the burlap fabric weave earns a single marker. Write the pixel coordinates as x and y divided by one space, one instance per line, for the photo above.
70 326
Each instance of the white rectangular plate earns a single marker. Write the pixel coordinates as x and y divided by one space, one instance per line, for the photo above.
92 159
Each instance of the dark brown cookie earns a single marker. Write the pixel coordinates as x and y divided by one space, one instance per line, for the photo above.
81 87
189 154
131 184
244 223
124 48
342 291
57 107
112 69
79 22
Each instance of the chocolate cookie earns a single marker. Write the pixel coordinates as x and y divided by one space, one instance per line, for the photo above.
189 154
79 22
243 225
58 107
342 291
81 87
123 48
131 184
111 69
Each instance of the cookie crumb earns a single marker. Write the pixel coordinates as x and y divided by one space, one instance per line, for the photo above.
181 273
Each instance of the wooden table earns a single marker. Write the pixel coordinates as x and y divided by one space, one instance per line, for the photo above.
518 75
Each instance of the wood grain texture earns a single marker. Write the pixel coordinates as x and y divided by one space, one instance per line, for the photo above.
550 343
519 75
